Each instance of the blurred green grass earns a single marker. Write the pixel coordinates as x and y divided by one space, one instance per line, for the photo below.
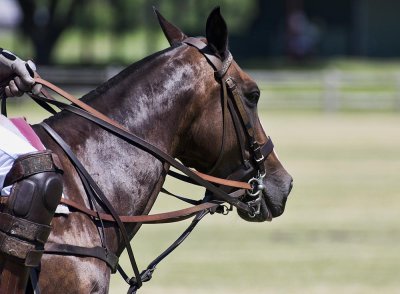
339 234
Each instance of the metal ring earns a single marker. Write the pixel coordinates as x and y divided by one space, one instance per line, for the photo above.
250 191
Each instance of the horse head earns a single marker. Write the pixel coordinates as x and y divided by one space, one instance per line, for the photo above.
218 139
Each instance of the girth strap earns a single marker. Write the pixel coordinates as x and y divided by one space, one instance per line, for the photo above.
97 252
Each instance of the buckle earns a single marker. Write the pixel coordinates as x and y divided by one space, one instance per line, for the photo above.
259 159
230 83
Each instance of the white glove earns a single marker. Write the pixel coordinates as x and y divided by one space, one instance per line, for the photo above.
25 71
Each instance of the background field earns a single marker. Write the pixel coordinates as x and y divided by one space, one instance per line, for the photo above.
339 234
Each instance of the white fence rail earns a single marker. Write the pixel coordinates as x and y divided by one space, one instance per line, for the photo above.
328 90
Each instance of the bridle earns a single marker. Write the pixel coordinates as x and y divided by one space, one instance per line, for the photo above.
232 100
215 196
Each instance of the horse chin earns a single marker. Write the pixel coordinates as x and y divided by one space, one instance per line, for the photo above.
264 215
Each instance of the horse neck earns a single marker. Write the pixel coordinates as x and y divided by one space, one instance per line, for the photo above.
150 99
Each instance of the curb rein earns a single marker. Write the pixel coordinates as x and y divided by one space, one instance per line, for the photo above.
214 197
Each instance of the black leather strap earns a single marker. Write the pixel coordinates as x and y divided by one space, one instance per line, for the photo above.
97 252
22 228
162 156
98 192
267 148
34 277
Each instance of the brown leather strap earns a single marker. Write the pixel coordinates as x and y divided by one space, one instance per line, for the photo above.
205 50
166 217
30 164
228 183
77 102
101 116
221 67
15 247
22 228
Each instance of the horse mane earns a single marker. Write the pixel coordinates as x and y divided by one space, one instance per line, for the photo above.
104 87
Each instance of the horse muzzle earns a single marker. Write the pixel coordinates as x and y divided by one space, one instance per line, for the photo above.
268 198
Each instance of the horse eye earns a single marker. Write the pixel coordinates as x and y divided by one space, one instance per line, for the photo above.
253 96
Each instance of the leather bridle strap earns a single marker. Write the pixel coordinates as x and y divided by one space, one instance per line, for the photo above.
159 218
115 128
101 116
221 68
247 124
100 195
167 217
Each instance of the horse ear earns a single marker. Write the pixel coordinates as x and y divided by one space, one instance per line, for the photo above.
171 32
217 32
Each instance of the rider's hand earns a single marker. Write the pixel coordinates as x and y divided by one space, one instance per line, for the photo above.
22 73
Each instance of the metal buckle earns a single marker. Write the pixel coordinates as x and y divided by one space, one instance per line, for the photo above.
260 159
230 83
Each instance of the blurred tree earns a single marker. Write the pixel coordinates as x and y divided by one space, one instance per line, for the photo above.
44 21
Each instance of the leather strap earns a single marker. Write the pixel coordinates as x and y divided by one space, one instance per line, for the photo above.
206 51
166 217
267 148
81 169
248 126
78 102
100 116
15 247
133 139
224 182
97 252
32 163
221 67
22 228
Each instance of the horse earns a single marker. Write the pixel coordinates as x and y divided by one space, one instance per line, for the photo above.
172 100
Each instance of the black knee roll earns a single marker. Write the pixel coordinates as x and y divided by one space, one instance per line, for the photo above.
37 187
36 197
36 192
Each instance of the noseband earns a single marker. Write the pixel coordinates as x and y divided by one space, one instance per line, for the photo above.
232 99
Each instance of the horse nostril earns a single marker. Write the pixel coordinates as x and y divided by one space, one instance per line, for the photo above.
290 186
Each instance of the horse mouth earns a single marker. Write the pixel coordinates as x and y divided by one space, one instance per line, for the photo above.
267 212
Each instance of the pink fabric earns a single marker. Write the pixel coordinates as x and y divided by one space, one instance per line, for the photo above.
27 131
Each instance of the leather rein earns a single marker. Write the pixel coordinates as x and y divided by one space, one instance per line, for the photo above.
215 196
